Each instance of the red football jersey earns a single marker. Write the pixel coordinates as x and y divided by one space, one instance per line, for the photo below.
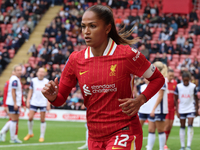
103 80
171 89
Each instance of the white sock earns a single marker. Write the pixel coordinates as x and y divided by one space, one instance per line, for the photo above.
6 127
162 139
42 129
16 136
182 136
30 127
151 140
86 134
190 133
12 129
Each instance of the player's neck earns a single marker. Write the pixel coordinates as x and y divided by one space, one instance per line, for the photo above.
98 51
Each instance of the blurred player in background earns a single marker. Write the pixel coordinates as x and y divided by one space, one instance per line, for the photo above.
103 71
159 111
145 109
13 101
35 101
6 127
169 119
186 108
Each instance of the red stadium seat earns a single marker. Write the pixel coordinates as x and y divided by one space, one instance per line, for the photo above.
62 67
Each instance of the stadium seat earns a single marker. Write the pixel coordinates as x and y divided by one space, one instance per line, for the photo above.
198 94
175 58
62 67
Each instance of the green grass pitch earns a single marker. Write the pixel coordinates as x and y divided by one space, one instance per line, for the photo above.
70 135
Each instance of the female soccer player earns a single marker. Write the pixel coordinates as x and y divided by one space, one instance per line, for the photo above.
187 108
103 71
169 119
35 101
159 111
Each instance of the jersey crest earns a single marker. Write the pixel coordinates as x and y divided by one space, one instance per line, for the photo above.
112 69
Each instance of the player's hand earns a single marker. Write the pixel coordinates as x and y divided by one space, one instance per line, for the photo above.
48 107
131 106
28 105
178 115
50 91
6 109
15 107
152 114
24 107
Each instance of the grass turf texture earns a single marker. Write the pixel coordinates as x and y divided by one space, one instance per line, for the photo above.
60 134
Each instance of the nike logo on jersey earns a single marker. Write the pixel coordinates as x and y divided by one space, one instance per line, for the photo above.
81 73
116 147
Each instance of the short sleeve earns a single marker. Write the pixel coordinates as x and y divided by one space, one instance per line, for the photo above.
163 87
14 84
31 85
136 62
68 76
195 91
176 91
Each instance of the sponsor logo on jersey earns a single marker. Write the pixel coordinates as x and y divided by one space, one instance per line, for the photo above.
81 73
38 89
185 96
137 56
134 50
86 90
113 70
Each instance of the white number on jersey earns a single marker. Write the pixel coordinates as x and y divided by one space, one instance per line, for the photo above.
123 141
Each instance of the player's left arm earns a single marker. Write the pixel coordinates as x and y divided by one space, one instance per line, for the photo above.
138 65
196 101
158 101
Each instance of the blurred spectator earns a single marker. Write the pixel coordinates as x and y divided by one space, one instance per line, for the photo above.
180 40
147 10
171 34
170 49
33 50
174 25
147 34
186 48
194 30
148 46
3 6
193 15
136 4
190 41
157 57
164 58
178 49
30 24
155 47
1 17
196 62
164 34
59 58
183 22
163 47
176 19
154 10
144 51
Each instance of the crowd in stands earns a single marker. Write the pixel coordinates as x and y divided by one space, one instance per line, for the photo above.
17 21
170 38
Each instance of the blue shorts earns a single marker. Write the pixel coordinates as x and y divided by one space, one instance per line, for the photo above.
160 117
146 117
12 111
187 115
35 108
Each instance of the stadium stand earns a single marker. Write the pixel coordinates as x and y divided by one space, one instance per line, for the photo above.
173 39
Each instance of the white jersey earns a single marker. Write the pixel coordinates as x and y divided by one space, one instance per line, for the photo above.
147 107
14 83
38 98
186 97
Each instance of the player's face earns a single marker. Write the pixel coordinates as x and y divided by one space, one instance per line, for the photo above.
40 74
170 76
18 71
95 30
186 81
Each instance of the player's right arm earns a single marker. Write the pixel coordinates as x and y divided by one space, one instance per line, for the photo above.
57 93
14 99
30 93
176 101
5 92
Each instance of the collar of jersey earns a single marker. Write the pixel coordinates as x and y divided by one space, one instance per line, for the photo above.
110 49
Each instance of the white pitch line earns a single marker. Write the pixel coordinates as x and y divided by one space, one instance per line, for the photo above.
39 144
